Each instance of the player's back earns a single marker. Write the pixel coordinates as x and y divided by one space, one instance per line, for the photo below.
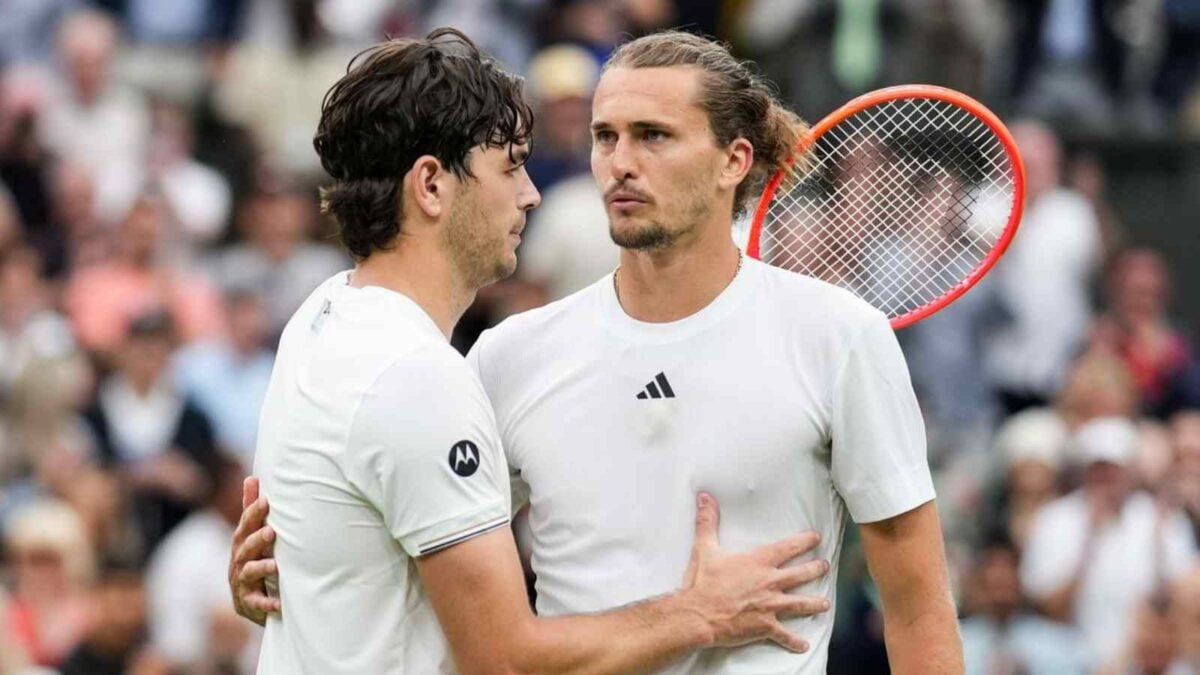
352 602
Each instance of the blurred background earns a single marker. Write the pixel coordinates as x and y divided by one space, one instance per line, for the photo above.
159 224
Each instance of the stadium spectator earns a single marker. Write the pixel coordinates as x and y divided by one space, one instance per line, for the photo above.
561 81
228 378
1137 328
150 432
1098 384
115 642
1001 635
1095 554
192 623
1043 281
198 197
277 256
52 564
568 246
91 118
1030 445
102 299
1071 63
30 329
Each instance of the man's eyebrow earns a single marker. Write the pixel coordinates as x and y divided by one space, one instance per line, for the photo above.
639 125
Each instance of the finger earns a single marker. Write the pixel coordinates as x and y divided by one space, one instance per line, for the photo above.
787 639
791 577
254 572
795 606
249 491
778 552
261 602
708 517
256 545
254 517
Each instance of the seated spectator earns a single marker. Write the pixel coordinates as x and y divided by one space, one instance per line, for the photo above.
101 300
1001 636
115 642
187 592
1043 282
228 378
51 563
30 329
148 431
90 117
561 81
1098 384
1031 445
277 256
1098 552
1137 328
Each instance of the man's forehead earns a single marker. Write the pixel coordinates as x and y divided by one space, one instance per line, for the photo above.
635 92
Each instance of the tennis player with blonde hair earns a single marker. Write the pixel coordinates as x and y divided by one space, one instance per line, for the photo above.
692 368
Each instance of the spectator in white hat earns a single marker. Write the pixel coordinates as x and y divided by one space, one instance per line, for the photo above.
1030 449
1095 554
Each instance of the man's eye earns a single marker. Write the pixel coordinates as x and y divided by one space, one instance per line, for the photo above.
605 136
655 135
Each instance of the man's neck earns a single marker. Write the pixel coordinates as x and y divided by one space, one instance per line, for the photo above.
673 284
424 275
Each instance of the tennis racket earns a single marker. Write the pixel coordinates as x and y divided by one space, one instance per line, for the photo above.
906 196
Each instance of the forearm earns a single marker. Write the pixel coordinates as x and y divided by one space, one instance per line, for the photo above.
927 644
639 638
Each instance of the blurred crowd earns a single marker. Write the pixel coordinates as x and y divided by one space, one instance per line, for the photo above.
159 224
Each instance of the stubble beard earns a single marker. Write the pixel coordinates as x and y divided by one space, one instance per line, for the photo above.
480 255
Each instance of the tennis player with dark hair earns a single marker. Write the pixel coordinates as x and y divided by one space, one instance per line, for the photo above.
390 497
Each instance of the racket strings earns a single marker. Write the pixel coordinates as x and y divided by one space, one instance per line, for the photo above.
899 203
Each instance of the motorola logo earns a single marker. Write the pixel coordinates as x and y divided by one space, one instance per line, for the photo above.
464 458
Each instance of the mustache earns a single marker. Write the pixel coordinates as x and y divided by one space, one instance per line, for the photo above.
626 190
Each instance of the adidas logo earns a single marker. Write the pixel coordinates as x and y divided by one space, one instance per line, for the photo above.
658 388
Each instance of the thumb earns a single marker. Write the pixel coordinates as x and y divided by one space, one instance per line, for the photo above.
249 491
708 518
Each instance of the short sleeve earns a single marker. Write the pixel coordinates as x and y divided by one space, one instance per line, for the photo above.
424 450
879 463
519 488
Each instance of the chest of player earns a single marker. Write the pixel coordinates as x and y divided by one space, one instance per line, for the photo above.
635 420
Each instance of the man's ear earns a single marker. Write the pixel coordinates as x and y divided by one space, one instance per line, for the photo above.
428 184
739 159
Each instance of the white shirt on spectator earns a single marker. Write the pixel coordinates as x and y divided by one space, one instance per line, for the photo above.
568 246
1129 557
186 587
1043 280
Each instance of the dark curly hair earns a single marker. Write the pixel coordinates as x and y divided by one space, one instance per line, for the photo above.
398 101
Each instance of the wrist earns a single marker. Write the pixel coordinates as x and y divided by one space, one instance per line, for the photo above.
687 608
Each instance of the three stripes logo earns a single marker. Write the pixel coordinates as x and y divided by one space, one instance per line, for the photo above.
658 388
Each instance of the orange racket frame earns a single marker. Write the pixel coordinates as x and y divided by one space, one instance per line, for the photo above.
911 91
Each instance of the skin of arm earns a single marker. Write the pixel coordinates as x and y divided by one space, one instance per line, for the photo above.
907 560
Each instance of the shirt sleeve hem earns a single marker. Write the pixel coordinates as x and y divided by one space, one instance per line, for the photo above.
456 530
885 498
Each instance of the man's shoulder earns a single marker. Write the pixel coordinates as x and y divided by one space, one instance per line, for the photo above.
556 319
814 303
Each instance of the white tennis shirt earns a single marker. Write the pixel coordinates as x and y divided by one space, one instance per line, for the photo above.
786 398
376 445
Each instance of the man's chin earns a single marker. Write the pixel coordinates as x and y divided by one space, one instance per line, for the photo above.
640 236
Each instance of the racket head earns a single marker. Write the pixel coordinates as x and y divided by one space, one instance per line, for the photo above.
838 198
